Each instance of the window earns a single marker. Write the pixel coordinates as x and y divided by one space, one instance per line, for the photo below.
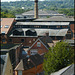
58 26
6 26
38 44
0 19
3 32
23 52
33 39
64 26
29 41
3 40
10 40
22 40
1 26
19 72
33 52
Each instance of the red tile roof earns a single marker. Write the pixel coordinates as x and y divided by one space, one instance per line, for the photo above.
6 21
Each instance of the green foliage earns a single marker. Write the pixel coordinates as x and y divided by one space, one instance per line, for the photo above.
68 12
9 9
58 57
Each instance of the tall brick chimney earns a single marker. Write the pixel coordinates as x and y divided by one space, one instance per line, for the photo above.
36 9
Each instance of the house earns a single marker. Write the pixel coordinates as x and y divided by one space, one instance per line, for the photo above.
5 64
30 66
14 52
41 46
69 70
5 28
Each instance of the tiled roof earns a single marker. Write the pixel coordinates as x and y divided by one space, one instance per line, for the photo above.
30 62
4 22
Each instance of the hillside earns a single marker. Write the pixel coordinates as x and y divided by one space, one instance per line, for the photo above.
62 6
42 4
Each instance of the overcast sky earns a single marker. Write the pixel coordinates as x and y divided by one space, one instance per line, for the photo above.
15 0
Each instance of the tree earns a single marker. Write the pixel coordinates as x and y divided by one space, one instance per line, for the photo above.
58 57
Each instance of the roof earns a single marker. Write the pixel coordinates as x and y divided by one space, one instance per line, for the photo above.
56 18
3 61
7 47
70 41
46 40
40 12
69 70
58 32
6 24
30 62
42 23
42 32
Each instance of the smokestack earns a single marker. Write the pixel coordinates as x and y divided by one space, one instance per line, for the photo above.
36 9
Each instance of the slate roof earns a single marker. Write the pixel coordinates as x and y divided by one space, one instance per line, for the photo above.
56 18
46 40
3 61
28 63
6 21
69 70
40 12
7 47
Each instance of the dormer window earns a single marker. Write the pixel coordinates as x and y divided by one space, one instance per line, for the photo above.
6 26
38 44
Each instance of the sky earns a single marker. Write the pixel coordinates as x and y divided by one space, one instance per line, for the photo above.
15 0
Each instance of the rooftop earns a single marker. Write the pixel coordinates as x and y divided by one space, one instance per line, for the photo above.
42 23
46 40
6 24
30 62
40 12
56 18
7 47
3 61
69 70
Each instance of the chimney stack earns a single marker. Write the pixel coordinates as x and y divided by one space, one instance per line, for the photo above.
36 9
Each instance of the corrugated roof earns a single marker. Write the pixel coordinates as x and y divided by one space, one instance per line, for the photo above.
42 23
52 32
58 32
4 22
